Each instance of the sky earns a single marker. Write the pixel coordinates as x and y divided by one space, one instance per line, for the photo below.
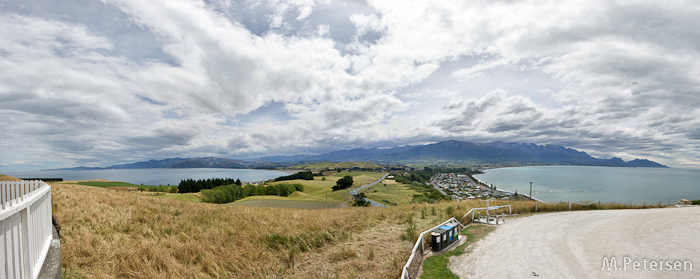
97 83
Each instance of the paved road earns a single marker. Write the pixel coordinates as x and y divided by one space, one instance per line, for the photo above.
432 182
373 203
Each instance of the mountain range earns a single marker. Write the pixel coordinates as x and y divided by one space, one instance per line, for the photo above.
462 152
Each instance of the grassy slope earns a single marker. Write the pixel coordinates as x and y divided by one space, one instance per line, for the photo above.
335 165
122 234
8 178
321 190
398 193
291 204
106 184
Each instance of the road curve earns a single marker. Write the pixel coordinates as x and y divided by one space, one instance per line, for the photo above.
372 203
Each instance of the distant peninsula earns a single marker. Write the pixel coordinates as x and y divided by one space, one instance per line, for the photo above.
495 153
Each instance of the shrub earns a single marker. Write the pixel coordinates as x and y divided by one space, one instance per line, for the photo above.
343 183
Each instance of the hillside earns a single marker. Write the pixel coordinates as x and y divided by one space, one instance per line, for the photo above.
133 235
8 178
124 234
499 152
461 152
175 163
464 152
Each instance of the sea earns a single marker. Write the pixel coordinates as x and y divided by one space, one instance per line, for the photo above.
154 177
635 186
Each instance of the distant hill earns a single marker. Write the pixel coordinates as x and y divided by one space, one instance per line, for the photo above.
181 163
463 152
358 154
499 152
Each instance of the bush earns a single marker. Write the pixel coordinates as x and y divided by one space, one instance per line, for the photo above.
234 192
306 175
360 200
343 183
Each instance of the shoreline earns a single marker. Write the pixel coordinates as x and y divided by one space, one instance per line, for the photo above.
508 191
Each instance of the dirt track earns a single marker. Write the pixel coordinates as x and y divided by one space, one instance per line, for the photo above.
574 245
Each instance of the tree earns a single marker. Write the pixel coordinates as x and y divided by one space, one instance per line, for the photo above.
360 200
343 183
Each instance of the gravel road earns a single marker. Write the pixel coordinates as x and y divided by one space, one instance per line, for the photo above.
645 243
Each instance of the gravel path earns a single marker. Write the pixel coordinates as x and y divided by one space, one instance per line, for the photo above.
575 244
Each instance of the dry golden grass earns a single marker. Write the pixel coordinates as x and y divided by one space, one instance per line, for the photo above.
110 234
115 234
8 178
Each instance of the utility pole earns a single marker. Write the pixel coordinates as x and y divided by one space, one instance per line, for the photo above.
531 190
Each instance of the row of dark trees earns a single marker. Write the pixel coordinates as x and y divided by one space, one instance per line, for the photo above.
194 186
234 192
306 175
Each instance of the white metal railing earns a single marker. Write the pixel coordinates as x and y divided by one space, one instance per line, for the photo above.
488 208
25 227
421 243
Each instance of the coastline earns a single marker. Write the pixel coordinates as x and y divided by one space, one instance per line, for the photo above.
508 191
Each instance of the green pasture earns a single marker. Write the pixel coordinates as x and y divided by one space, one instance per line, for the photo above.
398 193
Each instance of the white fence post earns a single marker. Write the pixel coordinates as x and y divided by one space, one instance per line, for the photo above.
421 241
25 227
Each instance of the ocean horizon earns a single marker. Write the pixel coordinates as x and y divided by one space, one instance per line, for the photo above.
156 176
605 184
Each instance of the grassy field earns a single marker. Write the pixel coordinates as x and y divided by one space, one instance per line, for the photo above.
290 203
391 191
119 234
337 166
109 234
106 184
191 197
321 190
8 178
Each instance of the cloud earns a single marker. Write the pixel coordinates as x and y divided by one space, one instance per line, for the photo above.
244 78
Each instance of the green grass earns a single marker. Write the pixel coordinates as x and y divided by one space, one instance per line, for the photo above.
321 190
436 266
393 192
334 165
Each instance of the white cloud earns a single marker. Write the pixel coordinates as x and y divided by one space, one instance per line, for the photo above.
609 77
